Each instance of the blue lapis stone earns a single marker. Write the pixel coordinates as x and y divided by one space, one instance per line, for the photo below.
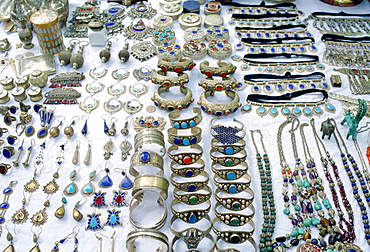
184 125
280 87
62 240
192 218
186 142
238 45
262 50
291 86
283 49
302 49
351 250
232 189
258 34
292 49
42 132
194 140
251 49
144 156
218 113
177 141
277 35
155 123
203 108
268 88
29 130
192 188
313 86
2 220
4 206
7 190
238 34
189 173
301 86
109 23
248 35
7 153
217 30
267 34
324 85
313 47
105 182
141 122
256 88
272 50
220 45
308 34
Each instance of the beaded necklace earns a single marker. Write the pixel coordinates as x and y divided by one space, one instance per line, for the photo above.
345 156
327 225
348 232
268 201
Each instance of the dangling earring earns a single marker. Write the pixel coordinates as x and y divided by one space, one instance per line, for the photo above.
29 150
113 218
100 242
9 238
89 189
125 147
71 235
76 153
112 129
45 116
88 153
124 55
69 131
111 242
125 130
108 147
65 55
36 248
126 182
106 181
77 215
77 60
71 189
59 213
106 128
55 131
84 128
105 53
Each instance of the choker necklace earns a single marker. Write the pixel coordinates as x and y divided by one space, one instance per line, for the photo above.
265 20
278 45
274 102
348 232
340 23
358 80
280 62
339 47
281 31
262 8
268 83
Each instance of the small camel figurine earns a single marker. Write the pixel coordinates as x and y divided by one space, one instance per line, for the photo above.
327 128
354 121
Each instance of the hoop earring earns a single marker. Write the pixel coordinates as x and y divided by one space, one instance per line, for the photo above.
110 108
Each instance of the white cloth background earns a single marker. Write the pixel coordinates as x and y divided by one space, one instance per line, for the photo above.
56 229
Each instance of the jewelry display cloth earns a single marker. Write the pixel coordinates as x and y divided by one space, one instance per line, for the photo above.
55 229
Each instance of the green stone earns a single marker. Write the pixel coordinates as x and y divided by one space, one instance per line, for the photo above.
234 222
193 200
262 240
306 183
301 230
236 206
307 222
299 182
229 162
315 221
294 233
297 207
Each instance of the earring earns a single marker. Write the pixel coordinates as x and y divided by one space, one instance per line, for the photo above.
76 153
77 215
126 182
71 189
65 55
89 189
106 181
125 147
93 222
105 53
108 147
69 131
20 150
132 107
77 60
88 153
9 238
29 150
124 55
112 108
138 89
105 125
125 130
89 107
84 128
59 213
45 116
63 240
35 240
113 218
55 131
112 129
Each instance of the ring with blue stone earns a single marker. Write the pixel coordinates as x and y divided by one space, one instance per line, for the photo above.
191 235
219 109
235 202
8 151
193 198
11 139
228 160
227 149
233 186
184 155
185 123
137 200
194 137
233 236
234 218
187 171
230 173
146 159
190 185
190 214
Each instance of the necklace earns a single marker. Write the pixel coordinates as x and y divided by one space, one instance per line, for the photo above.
281 31
268 202
346 156
269 104
263 8
5 203
348 232
358 80
349 103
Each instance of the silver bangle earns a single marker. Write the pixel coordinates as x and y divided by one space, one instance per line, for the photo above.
171 105
194 34
233 236
235 202
149 234
136 201
150 140
184 140
191 214
227 83
187 122
219 109
190 156
146 158
187 171
250 240
149 132
160 78
184 64
151 182
209 236
223 69
230 173
229 160
234 218
192 185
193 198
233 186
227 149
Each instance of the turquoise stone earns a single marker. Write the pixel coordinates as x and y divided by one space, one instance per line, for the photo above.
318 206
306 183
232 189
262 110
247 107
71 188
307 111
315 221
93 222
185 142
231 176
294 233
330 107
176 125
297 111
301 230
318 110
273 111
192 123
113 218
286 211
299 182
88 189
326 203
307 222
286 111
297 207
229 150
184 125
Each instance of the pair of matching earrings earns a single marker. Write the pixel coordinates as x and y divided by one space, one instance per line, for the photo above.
77 215
109 130
77 60
87 158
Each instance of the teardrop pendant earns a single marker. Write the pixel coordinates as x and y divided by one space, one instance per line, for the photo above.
126 182
88 190
77 215
71 189
42 132
59 213
35 248
39 218
9 248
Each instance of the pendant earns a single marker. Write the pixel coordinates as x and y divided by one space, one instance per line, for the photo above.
142 11
330 108
108 147
308 247
77 215
20 216
273 112
88 189
59 213
9 248
35 248
39 218
99 200
119 198
125 147
297 111
138 30
93 222
318 111
286 111
29 131
51 187
261 111
113 218
32 186
126 182
143 50
307 112
71 189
